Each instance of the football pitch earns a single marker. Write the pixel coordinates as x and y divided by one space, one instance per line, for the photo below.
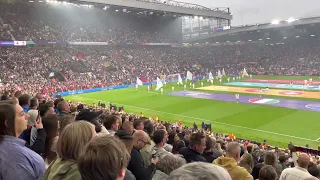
277 125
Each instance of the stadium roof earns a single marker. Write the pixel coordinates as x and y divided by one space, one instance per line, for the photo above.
310 25
169 6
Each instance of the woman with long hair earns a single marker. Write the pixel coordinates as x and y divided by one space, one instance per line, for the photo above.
16 160
71 144
51 126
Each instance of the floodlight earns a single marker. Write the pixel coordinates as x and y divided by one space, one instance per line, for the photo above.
290 20
275 22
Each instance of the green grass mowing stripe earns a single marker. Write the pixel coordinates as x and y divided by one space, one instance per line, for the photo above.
215 122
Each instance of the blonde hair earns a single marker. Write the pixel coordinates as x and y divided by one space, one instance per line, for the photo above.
73 139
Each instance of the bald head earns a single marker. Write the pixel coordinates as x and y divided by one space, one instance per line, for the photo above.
140 139
303 160
233 150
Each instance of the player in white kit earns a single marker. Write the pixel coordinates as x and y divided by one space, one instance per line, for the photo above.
201 84
136 86
172 88
161 90
192 86
237 98
148 88
185 86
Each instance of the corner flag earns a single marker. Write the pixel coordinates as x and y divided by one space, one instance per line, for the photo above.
159 84
139 82
189 75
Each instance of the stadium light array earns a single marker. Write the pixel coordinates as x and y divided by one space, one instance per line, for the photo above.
284 37
238 41
260 39
268 38
290 20
31 1
249 40
40 1
275 22
227 41
201 17
312 35
217 42
195 17
297 36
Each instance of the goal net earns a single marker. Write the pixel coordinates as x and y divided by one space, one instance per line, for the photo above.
170 77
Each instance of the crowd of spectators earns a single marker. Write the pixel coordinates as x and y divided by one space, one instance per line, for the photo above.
90 67
45 138
47 22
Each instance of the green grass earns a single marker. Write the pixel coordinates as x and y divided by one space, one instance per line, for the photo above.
278 126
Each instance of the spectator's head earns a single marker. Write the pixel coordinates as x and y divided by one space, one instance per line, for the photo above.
169 163
233 151
45 110
104 158
16 100
13 120
160 137
282 158
128 126
148 127
63 106
199 171
198 141
34 103
17 94
24 100
126 138
140 139
56 102
209 143
65 120
110 122
313 170
177 146
270 158
51 126
33 114
246 161
173 137
73 139
303 160
267 172
138 124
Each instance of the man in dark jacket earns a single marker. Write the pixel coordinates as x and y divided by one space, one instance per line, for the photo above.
193 153
136 165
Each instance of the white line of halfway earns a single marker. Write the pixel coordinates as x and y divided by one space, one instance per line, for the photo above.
318 139
258 130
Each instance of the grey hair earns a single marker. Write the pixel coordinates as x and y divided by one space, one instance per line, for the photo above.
169 163
199 171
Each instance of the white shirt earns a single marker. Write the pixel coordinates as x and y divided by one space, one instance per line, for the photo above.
296 173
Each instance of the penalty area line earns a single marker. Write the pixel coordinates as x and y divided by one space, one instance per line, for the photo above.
215 122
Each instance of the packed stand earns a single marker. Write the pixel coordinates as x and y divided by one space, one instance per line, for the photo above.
47 22
44 138
95 67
